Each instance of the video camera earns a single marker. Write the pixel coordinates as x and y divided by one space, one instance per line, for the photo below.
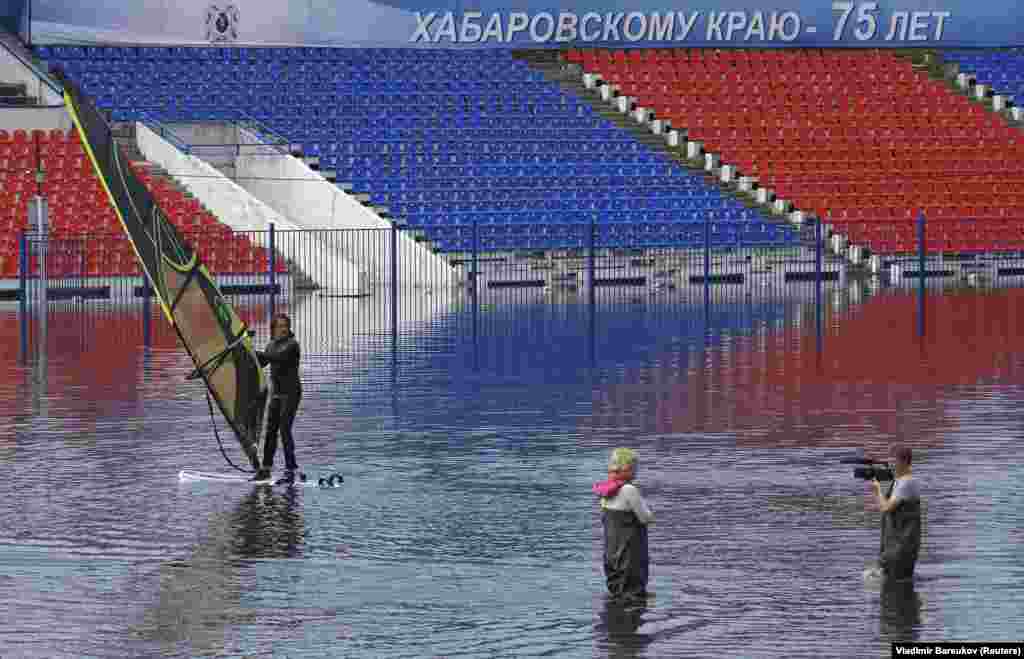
874 471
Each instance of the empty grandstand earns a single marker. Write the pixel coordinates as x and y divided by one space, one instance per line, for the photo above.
862 139
436 139
859 138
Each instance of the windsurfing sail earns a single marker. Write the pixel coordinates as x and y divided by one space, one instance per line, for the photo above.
212 333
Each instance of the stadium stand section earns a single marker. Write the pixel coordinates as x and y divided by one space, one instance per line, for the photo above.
444 139
859 138
1002 71
18 159
78 206
221 249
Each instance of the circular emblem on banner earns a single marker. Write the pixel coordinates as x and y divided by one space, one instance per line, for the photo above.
222 23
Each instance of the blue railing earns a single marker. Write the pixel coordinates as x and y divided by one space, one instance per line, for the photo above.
264 133
164 131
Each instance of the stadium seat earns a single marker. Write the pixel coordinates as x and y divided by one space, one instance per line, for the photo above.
79 205
411 128
834 132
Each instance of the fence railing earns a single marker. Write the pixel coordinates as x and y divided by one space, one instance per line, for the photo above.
166 132
263 133
943 249
353 286
262 271
490 255
493 255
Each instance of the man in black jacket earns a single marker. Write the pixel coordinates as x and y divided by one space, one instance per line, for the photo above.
282 353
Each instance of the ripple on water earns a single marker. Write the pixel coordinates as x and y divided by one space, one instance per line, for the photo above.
466 526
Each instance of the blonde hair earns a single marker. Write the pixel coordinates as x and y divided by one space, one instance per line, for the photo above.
621 458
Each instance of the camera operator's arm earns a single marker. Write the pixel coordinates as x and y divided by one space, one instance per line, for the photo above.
885 504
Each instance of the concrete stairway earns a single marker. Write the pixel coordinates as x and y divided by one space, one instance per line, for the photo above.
124 136
301 280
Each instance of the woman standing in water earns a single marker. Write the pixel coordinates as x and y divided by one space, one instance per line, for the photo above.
625 519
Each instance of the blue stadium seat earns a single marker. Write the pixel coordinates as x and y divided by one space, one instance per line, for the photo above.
1002 70
446 138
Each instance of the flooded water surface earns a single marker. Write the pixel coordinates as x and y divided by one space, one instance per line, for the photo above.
469 437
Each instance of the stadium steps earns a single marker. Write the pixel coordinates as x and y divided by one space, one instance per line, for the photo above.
554 67
940 67
571 75
301 279
550 63
879 215
951 70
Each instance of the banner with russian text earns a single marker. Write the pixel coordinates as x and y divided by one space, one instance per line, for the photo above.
533 23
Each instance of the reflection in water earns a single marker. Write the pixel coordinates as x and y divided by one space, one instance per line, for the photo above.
268 524
737 408
201 598
617 629
776 388
900 614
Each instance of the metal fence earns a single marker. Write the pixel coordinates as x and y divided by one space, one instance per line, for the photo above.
354 293
484 266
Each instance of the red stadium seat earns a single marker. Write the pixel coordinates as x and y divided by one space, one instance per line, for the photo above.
834 116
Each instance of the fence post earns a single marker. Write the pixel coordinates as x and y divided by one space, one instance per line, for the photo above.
707 260
476 251
921 253
818 248
272 265
82 262
819 236
592 294
23 290
921 250
394 294
147 313
475 310
590 262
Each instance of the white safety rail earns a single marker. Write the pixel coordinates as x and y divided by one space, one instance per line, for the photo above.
290 186
238 209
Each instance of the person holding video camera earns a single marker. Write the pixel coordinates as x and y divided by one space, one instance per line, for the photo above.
901 517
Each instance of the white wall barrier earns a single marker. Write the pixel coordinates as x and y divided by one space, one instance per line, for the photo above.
311 201
238 209
15 70
32 118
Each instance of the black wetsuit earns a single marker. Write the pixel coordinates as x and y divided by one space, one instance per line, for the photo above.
283 356
901 538
626 556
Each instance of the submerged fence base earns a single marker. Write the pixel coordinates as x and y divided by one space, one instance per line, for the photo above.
664 268
990 269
